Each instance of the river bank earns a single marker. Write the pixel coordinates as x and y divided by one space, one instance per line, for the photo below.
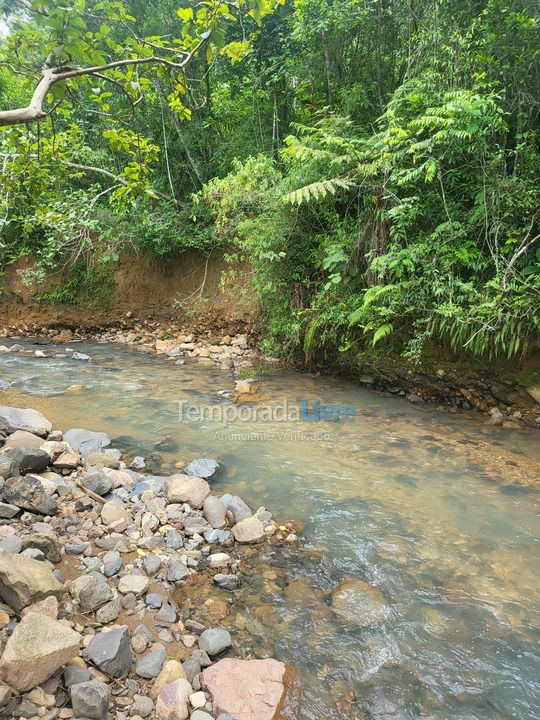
129 580
509 395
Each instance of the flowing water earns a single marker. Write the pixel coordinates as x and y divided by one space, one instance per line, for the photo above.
436 510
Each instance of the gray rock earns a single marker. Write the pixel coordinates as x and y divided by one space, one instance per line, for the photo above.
7 467
142 706
177 570
137 463
201 656
26 581
219 537
151 564
166 614
7 510
90 700
80 356
113 567
75 549
224 716
227 582
12 419
28 493
29 459
12 544
195 524
239 508
200 715
47 542
214 511
192 668
154 601
109 612
97 482
74 675
34 553
214 641
110 651
174 540
203 468
86 441
91 591
150 665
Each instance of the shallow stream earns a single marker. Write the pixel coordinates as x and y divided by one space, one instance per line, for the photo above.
436 510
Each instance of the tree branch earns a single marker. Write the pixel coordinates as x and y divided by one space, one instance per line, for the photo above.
50 76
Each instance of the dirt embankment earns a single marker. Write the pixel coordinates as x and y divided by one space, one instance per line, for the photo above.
152 300
189 286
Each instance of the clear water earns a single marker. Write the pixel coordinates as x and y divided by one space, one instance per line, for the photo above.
429 507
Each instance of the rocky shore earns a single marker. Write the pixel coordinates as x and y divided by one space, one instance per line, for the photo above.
97 561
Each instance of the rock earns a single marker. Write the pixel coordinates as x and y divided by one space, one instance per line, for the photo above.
171 671
150 665
48 606
113 565
137 463
91 591
29 459
203 468
80 356
46 542
151 564
177 570
195 524
172 702
217 536
187 488
32 421
26 581
214 512
358 603
101 460
7 510
38 646
166 614
74 675
86 441
251 689
136 584
114 510
201 715
248 530
153 601
142 706
7 467
97 482
534 392
239 508
197 700
90 700
12 544
109 612
29 494
23 439
219 560
110 651
214 641
227 582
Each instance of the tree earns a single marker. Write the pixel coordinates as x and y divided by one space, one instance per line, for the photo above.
96 42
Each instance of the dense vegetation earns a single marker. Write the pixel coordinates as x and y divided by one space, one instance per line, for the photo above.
377 161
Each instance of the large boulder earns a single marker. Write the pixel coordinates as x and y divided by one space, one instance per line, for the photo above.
25 581
187 488
252 689
12 419
28 493
38 646
86 441
358 603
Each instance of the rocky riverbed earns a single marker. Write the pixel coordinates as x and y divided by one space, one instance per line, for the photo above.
116 586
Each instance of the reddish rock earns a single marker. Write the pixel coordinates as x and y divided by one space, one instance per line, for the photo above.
252 689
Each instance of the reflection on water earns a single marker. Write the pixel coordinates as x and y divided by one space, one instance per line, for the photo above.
435 510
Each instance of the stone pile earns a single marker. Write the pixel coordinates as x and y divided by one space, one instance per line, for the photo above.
95 559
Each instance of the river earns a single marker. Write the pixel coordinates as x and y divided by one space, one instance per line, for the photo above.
435 509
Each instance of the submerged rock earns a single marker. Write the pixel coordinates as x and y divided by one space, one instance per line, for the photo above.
203 468
38 646
251 689
358 603
26 581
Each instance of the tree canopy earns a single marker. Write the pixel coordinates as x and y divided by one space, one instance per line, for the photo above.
377 162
